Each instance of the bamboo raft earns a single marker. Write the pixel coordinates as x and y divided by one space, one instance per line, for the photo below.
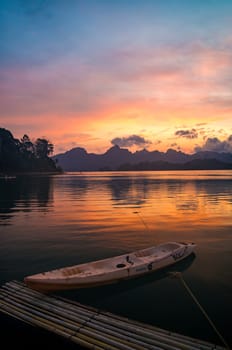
89 327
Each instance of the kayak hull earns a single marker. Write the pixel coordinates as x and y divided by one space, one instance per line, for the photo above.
111 270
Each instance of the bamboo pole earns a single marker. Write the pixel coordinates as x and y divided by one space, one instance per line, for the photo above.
44 323
142 339
40 305
94 322
185 339
47 319
81 339
19 288
116 334
113 336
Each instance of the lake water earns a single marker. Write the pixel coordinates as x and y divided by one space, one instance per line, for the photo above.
48 222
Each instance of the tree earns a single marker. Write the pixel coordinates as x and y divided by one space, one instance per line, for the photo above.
26 146
24 155
43 148
9 150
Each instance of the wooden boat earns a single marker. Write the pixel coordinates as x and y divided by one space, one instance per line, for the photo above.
111 270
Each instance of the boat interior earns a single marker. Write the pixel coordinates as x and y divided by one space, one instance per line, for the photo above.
126 261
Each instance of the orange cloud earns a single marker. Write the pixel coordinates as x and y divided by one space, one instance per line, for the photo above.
127 92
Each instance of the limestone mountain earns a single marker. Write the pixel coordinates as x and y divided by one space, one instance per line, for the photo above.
115 158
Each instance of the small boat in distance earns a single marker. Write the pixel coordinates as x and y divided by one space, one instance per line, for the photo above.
111 270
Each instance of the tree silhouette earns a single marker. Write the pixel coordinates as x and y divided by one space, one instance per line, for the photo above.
24 155
26 146
43 148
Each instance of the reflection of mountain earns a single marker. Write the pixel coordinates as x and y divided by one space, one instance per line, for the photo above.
21 192
120 188
125 193
116 158
183 193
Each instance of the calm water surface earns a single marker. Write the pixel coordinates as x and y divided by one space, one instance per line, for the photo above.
48 222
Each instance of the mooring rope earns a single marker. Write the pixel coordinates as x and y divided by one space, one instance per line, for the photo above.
141 218
180 277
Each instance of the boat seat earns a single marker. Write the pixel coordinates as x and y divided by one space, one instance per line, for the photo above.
72 271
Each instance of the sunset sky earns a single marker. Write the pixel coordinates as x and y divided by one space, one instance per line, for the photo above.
152 74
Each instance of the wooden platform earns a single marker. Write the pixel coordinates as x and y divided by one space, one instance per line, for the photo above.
89 327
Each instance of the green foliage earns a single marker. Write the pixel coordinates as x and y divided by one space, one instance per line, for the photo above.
24 155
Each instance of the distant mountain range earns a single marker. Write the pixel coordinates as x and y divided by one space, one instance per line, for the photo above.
116 158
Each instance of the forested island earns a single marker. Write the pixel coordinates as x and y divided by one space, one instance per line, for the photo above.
23 155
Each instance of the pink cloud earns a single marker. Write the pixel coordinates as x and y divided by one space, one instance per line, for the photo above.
122 88
165 75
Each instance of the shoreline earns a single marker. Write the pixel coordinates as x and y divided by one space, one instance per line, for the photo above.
41 173
19 173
